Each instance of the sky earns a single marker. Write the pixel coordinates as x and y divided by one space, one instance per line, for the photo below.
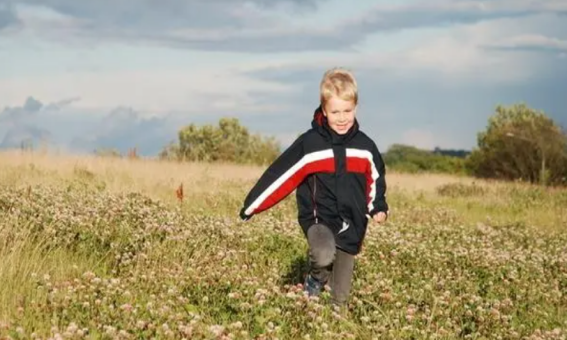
85 75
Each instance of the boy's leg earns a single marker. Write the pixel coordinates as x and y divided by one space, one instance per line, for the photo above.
321 255
341 277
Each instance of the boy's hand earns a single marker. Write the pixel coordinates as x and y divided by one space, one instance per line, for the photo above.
380 217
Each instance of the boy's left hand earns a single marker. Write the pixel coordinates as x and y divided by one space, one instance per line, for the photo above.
380 217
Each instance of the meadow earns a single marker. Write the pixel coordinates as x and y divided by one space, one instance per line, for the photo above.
104 248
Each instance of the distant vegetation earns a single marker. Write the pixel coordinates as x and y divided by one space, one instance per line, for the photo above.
227 142
519 143
404 158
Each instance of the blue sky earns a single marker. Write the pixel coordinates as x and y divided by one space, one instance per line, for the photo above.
125 73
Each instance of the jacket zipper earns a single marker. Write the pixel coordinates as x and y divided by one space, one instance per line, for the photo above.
315 199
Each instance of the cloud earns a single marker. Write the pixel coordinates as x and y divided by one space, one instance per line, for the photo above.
17 122
533 42
16 115
449 12
479 53
148 18
59 126
62 103
7 17
31 107
441 91
82 131
254 26
124 128
25 135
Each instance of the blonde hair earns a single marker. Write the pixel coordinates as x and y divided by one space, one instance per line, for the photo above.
338 82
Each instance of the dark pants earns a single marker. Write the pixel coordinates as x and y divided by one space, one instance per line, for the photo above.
329 264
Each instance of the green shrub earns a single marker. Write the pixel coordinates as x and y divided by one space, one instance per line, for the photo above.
404 158
521 143
227 142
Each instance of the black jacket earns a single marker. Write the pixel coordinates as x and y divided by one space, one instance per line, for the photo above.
339 180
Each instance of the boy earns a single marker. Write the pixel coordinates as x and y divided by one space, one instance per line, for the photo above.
339 176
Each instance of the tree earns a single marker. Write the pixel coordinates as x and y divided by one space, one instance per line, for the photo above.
227 142
520 143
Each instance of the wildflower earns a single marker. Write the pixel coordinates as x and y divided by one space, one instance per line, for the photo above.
237 325
217 330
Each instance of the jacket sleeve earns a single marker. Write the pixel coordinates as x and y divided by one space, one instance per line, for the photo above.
277 182
377 199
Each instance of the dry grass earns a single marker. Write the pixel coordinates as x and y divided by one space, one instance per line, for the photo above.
18 167
139 169
474 200
158 179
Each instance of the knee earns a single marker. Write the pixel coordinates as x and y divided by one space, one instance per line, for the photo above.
321 245
322 256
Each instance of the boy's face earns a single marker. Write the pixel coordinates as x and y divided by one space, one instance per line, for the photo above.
340 114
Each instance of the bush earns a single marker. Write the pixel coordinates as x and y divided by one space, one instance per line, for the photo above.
455 190
521 143
410 159
227 142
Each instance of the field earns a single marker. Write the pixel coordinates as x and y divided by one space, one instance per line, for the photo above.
102 248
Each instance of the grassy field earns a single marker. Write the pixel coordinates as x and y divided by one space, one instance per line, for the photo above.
101 248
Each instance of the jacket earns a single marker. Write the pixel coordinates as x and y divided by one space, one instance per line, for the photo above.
339 181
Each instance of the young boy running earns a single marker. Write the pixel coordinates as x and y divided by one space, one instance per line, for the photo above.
339 176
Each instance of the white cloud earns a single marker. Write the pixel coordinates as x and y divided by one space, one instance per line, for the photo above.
453 55
253 26
531 42
145 89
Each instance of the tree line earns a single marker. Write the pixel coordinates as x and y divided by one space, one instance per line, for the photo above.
519 143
